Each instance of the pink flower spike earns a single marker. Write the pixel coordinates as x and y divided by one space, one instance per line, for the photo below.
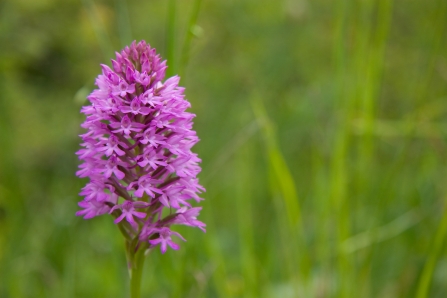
137 144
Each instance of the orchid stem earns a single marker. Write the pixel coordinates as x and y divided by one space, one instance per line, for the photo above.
136 272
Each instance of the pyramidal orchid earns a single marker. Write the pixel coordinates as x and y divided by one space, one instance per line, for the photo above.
137 153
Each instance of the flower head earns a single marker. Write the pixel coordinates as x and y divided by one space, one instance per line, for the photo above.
137 149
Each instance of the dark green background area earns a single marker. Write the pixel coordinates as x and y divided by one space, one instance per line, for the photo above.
323 138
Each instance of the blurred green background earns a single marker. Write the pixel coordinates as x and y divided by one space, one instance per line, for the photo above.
323 137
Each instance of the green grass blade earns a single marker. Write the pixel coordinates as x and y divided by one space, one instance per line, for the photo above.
339 172
282 184
430 264
99 28
171 38
244 201
379 234
229 149
123 20
189 36
278 165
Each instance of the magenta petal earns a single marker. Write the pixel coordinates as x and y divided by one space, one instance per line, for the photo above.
164 200
130 220
143 163
139 214
119 174
178 235
173 245
139 192
119 151
155 241
119 218
140 204
163 247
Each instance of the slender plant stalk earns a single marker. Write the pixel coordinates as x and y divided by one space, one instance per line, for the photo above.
98 27
243 192
170 39
136 272
340 175
283 184
430 265
189 35
123 20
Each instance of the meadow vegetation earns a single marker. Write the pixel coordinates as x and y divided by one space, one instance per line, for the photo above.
323 138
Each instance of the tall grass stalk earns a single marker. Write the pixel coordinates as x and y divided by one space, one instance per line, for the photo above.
372 38
339 172
370 63
433 255
98 27
214 250
435 41
244 165
171 35
189 36
282 184
123 22
228 150
214 246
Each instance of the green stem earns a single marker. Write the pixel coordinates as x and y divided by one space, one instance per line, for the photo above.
432 259
136 272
